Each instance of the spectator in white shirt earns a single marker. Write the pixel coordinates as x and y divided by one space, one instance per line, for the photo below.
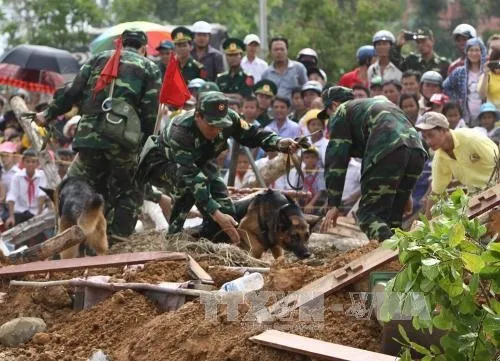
251 63
25 199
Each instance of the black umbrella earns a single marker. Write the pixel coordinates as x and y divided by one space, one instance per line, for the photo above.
38 57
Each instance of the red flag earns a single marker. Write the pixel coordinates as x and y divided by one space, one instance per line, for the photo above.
110 70
174 91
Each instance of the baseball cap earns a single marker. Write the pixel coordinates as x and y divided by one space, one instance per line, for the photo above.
213 105
312 85
165 44
334 94
310 115
251 38
431 120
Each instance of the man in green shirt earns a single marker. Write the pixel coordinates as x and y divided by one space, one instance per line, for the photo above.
182 161
190 68
235 81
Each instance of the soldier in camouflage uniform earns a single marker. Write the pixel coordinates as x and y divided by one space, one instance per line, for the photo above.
182 161
265 90
393 158
235 80
190 68
425 40
102 161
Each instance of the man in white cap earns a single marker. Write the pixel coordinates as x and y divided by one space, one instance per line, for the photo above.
204 53
463 154
251 63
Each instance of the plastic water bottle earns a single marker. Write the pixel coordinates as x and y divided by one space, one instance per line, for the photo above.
248 283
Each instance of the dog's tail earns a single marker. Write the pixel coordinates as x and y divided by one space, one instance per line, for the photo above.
90 216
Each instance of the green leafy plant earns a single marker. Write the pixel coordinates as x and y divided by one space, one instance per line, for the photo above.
450 280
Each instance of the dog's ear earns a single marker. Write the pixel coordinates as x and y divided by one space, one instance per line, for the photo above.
284 218
50 193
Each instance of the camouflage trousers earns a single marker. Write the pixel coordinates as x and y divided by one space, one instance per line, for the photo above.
385 189
110 172
183 200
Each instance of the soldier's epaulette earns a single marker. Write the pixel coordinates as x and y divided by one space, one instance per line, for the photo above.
198 64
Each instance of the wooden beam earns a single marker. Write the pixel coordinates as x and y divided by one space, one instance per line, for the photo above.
484 201
326 285
64 240
113 260
26 230
317 348
197 271
47 164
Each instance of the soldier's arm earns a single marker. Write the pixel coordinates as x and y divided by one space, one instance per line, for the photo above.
251 135
218 63
148 105
189 172
72 95
337 159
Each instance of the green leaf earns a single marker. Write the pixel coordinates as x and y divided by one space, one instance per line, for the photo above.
491 256
444 320
427 284
473 262
453 289
494 246
490 273
430 262
391 243
467 305
435 349
421 349
457 196
403 333
457 234
406 355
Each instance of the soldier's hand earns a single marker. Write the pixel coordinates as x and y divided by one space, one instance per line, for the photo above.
330 219
228 225
40 119
288 145
400 41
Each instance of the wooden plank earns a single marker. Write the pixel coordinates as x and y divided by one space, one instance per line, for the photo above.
317 348
484 201
326 285
113 260
198 271
26 230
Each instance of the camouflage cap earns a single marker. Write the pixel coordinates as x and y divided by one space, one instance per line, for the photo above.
137 34
213 105
424 33
181 34
233 46
334 94
208 86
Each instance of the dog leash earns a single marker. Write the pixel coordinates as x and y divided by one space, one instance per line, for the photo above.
304 144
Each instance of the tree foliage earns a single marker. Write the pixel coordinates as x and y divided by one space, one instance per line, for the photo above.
449 280
57 23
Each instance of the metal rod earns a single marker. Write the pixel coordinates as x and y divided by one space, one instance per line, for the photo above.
234 162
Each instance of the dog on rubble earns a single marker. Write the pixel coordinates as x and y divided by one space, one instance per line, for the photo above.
77 203
272 220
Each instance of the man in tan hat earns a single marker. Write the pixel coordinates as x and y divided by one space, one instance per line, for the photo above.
463 154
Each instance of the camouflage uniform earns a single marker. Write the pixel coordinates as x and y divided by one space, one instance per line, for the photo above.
393 158
106 164
181 161
415 61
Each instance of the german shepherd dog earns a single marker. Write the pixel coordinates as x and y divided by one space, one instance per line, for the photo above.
77 203
272 220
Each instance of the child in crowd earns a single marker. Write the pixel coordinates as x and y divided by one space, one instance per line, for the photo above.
64 157
250 111
488 116
314 180
453 112
243 171
25 199
316 127
409 105
234 103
